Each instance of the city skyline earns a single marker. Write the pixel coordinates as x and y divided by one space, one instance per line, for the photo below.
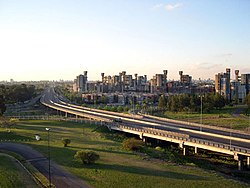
58 40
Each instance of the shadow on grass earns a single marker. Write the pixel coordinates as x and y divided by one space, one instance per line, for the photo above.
103 150
59 123
12 136
100 143
65 157
144 171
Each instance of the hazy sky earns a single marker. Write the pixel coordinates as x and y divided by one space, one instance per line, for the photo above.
59 39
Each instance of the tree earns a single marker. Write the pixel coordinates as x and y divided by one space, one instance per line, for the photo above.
120 109
108 108
126 109
132 144
66 141
137 106
162 102
219 101
104 99
145 104
2 105
113 109
87 157
8 123
173 104
248 100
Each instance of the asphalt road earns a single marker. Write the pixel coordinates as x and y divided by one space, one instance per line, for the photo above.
59 176
192 131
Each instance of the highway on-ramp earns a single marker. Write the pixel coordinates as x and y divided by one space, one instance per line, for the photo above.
59 176
198 136
209 133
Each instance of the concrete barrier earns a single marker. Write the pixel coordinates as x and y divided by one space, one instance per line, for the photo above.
196 124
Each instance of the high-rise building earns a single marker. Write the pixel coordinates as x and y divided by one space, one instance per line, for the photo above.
245 81
159 82
185 79
222 84
80 83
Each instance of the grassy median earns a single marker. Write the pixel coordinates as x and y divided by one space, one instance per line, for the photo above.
116 167
13 175
224 117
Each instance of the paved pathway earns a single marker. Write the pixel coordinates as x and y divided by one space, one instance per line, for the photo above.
59 176
237 113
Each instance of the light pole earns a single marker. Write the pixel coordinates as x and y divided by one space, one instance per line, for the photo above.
201 114
230 137
48 130
248 121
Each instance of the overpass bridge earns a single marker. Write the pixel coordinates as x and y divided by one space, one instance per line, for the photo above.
226 141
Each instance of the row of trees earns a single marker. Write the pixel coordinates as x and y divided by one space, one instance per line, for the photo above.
2 105
15 93
189 102
248 100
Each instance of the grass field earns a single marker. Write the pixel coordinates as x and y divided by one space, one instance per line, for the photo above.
12 175
222 118
116 167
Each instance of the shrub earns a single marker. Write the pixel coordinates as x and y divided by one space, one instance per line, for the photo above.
108 108
113 109
158 148
120 109
87 157
66 141
132 144
126 109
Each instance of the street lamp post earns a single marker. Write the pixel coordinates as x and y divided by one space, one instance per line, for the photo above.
48 130
201 114
248 121
230 138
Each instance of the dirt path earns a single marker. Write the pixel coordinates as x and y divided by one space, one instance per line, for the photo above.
59 176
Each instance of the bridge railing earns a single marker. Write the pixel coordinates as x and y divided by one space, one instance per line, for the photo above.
161 133
186 138
195 124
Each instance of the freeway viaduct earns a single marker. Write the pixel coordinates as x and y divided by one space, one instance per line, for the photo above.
199 136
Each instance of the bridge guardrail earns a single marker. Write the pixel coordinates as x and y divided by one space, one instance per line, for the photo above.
169 134
108 112
183 137
196 124
202 142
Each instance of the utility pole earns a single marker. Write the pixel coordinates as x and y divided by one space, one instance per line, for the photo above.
48 130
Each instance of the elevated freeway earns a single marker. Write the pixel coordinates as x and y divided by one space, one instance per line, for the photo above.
221 140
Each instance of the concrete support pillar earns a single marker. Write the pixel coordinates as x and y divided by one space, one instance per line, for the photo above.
185 150
239 158
181 145
240 164
195 150
248 162
158 141
144 139
66 114
141 135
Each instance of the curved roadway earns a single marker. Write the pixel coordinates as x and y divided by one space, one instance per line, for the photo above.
226 136
59 176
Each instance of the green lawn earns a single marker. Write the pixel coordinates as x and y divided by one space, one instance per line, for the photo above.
116 167
12 175
222 118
